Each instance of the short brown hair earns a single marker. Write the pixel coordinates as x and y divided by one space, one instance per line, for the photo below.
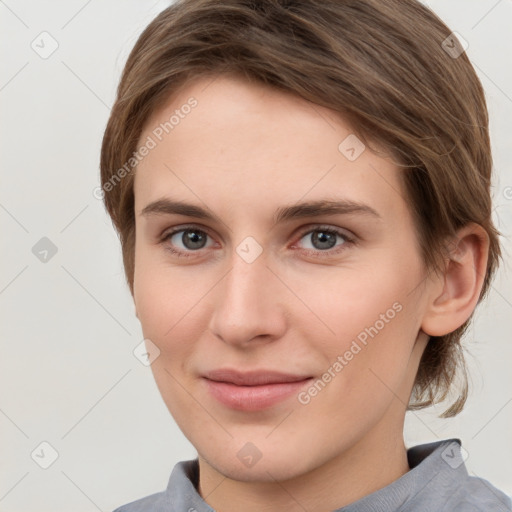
385 65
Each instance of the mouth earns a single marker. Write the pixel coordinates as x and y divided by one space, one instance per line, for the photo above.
253 391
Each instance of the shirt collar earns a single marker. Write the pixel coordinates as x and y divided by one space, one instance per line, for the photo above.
434 467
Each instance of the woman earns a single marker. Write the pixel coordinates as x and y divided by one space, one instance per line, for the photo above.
302 192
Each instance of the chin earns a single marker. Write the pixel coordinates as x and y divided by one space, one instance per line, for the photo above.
270 464
262 471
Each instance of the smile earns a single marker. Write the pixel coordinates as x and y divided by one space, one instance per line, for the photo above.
252 391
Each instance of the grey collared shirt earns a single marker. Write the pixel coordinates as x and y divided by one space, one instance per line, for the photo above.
438 481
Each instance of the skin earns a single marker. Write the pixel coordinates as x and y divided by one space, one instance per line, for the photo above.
243 152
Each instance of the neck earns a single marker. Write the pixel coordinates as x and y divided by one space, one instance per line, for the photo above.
374 462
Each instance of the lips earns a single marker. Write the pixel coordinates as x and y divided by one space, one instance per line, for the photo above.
254 390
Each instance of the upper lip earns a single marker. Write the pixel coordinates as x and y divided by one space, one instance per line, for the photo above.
252 378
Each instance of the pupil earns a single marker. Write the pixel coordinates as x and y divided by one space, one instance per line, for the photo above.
193 239
325 240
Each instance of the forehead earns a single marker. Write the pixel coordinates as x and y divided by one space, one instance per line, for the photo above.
227 140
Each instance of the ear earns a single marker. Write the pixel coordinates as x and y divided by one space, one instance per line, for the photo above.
455 292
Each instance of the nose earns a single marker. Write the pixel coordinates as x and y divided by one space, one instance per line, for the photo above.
250 304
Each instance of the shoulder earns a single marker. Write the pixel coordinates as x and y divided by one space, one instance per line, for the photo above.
180 494
476 494
153 503
449 485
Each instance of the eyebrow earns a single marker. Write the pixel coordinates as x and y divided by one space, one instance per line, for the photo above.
284 213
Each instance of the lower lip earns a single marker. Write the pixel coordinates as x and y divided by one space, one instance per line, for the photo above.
253 398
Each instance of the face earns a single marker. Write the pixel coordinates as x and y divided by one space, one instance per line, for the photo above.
286 299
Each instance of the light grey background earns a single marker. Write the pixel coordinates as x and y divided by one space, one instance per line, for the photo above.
68 374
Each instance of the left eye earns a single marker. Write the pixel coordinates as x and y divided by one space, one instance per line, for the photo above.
323 239
185 241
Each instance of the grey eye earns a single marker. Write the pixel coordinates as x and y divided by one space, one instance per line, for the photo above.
191 239
322 239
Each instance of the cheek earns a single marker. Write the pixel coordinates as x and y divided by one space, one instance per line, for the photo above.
373 320
164 295
348 301
172 307
165 305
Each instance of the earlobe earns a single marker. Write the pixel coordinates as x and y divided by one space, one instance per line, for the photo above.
455 293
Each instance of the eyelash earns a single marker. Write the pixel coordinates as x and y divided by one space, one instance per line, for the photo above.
348 240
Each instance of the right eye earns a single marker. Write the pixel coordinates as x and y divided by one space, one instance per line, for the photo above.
184 241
